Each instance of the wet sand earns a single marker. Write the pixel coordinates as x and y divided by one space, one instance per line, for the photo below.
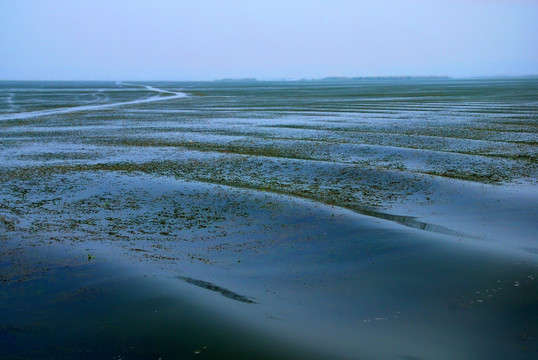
252 228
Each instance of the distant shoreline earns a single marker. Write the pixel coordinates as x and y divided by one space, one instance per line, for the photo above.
343 78
325 79
368 78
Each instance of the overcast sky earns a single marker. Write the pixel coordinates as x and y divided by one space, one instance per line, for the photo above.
208 39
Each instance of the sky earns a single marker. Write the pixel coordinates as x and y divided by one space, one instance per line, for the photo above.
273 39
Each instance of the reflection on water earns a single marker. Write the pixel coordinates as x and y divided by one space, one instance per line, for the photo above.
412 222
212 287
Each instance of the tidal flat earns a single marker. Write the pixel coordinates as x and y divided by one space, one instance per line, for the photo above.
368 219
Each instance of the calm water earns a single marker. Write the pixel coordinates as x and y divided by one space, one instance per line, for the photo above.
389 219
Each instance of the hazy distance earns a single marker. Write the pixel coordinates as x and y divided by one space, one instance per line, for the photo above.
276 39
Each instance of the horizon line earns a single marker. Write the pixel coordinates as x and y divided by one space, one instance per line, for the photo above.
288 79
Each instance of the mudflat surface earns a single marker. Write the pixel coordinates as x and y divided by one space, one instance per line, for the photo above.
298 220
